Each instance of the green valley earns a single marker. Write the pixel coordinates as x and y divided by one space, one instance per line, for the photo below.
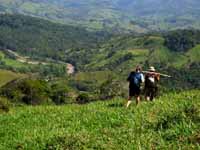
118 16
43 106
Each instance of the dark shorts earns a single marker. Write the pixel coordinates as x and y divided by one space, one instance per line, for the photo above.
134 91
151 92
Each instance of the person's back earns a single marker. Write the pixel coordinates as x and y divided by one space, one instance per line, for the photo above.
151 80
135 79
151 84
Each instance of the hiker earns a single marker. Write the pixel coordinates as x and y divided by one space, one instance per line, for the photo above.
151 84
135 79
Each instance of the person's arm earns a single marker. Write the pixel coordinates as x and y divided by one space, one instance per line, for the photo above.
142 78
157 76
129 77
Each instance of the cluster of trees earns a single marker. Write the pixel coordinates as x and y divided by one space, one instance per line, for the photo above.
182 40
54 70
32 91
4 104
35 92
40 38
48 70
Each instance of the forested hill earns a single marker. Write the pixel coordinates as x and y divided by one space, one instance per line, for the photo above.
114 15
33 36
39 38
102 63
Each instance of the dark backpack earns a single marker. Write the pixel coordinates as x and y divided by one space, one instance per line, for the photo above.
150 81
135 78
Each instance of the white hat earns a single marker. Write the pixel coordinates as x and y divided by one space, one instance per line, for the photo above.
152 68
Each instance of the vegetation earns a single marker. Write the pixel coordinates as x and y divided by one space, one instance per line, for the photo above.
102 64
39 38
46 69
95 61
32 91
116 16
7 76
182 40
172 121
4 105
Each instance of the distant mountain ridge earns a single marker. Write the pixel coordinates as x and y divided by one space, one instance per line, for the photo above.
171 52
114 15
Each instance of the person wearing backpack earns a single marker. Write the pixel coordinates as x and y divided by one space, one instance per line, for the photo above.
151 84
135 79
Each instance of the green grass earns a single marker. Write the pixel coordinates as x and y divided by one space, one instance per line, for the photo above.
100 60
194 54
98 76
105 15
171 122
12 62
145 49
7 76
30 7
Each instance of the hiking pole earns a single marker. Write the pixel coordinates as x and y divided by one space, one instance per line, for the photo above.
161 74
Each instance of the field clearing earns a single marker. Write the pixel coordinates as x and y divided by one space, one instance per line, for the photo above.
171 122
12 62
97 76
7 76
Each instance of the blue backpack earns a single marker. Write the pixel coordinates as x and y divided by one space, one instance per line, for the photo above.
135 78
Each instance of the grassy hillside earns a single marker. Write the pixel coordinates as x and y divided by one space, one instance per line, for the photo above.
126 52
172 121
172 53
12 62
20 64
36 37
7 76
121 54
115 15
90 50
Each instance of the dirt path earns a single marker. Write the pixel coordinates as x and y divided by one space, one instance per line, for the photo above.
25 59
69 67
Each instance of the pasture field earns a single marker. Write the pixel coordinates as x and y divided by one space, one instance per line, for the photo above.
171 122
7 76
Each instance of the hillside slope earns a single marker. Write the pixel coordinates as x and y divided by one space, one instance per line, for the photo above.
122 54
7 76
172 121
145 50
115 15
38 37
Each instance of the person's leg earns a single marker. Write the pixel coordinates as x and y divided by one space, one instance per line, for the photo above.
129 101
153 93
147 95
137 100
148 98
151 97
137 95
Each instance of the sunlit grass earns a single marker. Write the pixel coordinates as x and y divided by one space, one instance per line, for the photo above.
6 76
172 121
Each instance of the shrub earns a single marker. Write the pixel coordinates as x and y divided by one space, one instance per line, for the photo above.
4 104
61 94
110 89
83 98
88 86
35 91
28 91
182 40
